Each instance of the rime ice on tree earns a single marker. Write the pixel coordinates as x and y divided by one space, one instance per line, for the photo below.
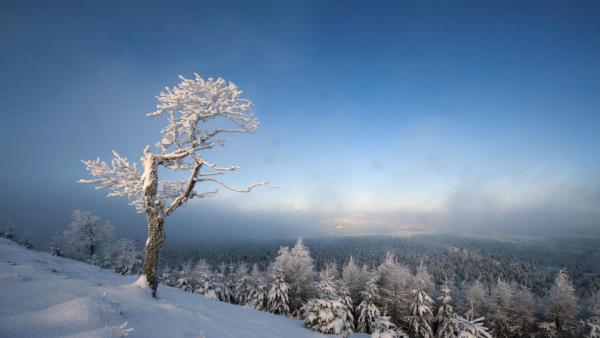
186 137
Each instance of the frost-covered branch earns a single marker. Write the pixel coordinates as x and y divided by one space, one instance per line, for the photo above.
121 177
247 189
199 100
187 193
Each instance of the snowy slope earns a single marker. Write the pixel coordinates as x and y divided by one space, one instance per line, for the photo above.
45 296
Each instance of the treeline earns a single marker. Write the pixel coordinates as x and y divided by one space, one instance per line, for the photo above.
391 298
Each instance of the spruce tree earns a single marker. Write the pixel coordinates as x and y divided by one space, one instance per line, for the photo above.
367 310
421 315
278 301
446 326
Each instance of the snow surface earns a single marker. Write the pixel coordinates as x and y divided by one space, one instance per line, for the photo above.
46 296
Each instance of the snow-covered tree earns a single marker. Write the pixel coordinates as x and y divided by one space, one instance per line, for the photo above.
9 231
476 300
88 237
297 266
354 279
383 328
243 284
501 298
396 282
183 282
202 276
126 257
471 328
593 326
421 314
166 276
346 300
278 301
446 325
367 310
229 289
257 295
592 323
327 314
561 303
189 107
55 247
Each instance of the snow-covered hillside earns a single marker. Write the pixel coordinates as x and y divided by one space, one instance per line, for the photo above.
46 296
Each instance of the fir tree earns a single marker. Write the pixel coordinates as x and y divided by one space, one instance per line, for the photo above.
367 310
446 325
277 301
257 297
561 303
242 284
421 314
327 314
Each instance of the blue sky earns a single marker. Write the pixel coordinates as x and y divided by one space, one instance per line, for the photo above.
376 117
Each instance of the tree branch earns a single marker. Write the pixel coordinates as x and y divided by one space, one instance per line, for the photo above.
224 185
187 192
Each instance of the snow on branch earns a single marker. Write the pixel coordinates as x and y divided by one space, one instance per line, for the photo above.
198 100
121 177
247 189
188 106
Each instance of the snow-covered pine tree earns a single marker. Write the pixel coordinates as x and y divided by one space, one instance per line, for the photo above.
446 325
228 282
189 107
395 284
522 311
242 284
471 328
476 301
560 306
87 238
592 324
367 310
502 295
166 276
183 282
421 314
203 283
257 297
355 279
382 327
278 301
297 266
346 299
327 314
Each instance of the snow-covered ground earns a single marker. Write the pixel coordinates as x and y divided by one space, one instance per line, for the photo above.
46 296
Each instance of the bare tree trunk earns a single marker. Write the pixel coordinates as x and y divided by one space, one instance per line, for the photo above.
156 219
156 239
